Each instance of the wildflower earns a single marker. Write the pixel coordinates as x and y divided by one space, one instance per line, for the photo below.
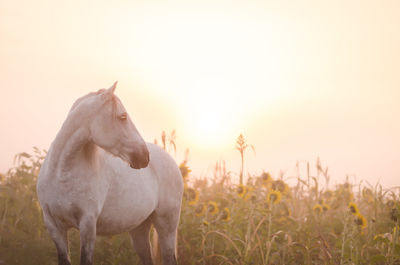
206 223
191 195
353 208
274 196
325 207
317 208
226 214
185 170
213 207
200 210
360 221
241 190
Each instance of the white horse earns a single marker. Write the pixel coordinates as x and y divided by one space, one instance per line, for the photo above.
100 177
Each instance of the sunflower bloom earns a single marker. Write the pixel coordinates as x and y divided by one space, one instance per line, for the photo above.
200 210
318 208
241 190
353 208
213 207
360 221
280 186
266 179
185 170
274 196
226 214
191 195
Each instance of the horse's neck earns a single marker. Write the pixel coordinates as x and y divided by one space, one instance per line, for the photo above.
71 146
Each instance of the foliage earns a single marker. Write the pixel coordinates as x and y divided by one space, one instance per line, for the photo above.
264 221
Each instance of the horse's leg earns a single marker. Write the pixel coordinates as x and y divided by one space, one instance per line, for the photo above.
87 230
59 236
166 225
141 243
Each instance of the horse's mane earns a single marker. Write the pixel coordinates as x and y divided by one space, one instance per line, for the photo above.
79 100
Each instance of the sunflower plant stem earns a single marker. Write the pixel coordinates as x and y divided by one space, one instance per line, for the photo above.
343 239
248 236
271 206
394 241
241 168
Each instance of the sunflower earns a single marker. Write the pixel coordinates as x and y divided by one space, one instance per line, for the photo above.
226 214
274 196
360 221
281 186
353 208
200 210
241 190
185 170
317 208
213 207
266 178
191 195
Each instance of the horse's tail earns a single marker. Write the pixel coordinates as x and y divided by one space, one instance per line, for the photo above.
156 254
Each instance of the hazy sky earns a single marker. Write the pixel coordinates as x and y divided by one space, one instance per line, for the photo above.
300 79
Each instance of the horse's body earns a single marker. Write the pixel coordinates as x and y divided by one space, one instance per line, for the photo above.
82 185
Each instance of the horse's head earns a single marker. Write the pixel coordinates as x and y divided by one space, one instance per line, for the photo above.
111 128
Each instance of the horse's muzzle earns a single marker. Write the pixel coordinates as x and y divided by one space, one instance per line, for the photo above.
140 159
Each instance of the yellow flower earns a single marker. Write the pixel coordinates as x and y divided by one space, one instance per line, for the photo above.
317 208
200 210
191 195
206 223
226 215
274 196
185 170
353 208
241 190
360 221
213 207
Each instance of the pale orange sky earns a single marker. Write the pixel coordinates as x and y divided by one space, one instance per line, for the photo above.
300 79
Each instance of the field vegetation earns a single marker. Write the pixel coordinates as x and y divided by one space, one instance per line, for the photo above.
262 220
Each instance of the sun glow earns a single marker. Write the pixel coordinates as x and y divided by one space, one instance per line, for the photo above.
210 66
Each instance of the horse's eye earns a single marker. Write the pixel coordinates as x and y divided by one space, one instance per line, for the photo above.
122 117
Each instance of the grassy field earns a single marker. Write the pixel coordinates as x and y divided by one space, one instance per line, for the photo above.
264 221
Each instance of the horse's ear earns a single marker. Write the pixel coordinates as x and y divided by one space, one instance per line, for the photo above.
112 88
108 93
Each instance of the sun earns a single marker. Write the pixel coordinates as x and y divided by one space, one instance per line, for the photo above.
210 108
